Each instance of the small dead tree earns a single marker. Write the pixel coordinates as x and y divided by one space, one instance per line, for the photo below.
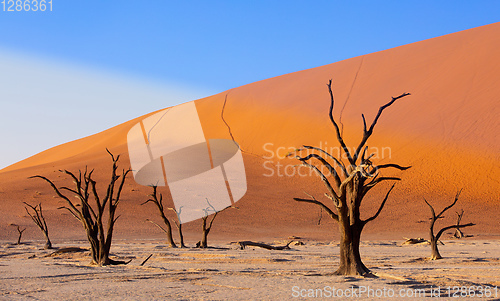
458 233
207 224
158 201
20 233
90 216
347 185
179 226
39 220
435 238
206 227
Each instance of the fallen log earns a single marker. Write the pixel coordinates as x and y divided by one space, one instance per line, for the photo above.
244 244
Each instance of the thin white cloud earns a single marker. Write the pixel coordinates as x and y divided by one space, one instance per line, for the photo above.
45 103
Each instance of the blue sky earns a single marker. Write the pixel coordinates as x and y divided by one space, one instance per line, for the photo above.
63 73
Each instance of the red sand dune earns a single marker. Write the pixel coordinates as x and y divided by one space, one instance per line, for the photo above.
447 130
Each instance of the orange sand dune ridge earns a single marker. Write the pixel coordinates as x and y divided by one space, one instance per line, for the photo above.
447 130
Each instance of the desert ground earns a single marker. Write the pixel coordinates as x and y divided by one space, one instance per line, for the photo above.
470 269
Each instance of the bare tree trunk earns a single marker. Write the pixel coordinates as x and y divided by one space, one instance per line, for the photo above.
205 231
158 201
179 227
20 233
94 249
181 236
48 243
350 258
206 227
170 239
434 249
458 233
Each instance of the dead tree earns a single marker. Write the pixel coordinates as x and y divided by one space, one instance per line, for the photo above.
90 216
158 201
458 233
206 227
20 233
244 244
39 220
347 184
179 226
207 224
435 238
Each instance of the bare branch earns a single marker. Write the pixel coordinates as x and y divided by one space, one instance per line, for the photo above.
72 213
37 219
338 162
393 166
330 168
364 122
381 206
334 198
314 201
337 130
212 220
364 152
112 156
323 178
82 197
376 181
157 225
146 259
59 194
369 132
453 204
120 187
438 235
432 210
149 200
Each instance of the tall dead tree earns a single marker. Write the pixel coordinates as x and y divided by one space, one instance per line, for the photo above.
90 216
435 238
158 201
39 220
347 184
